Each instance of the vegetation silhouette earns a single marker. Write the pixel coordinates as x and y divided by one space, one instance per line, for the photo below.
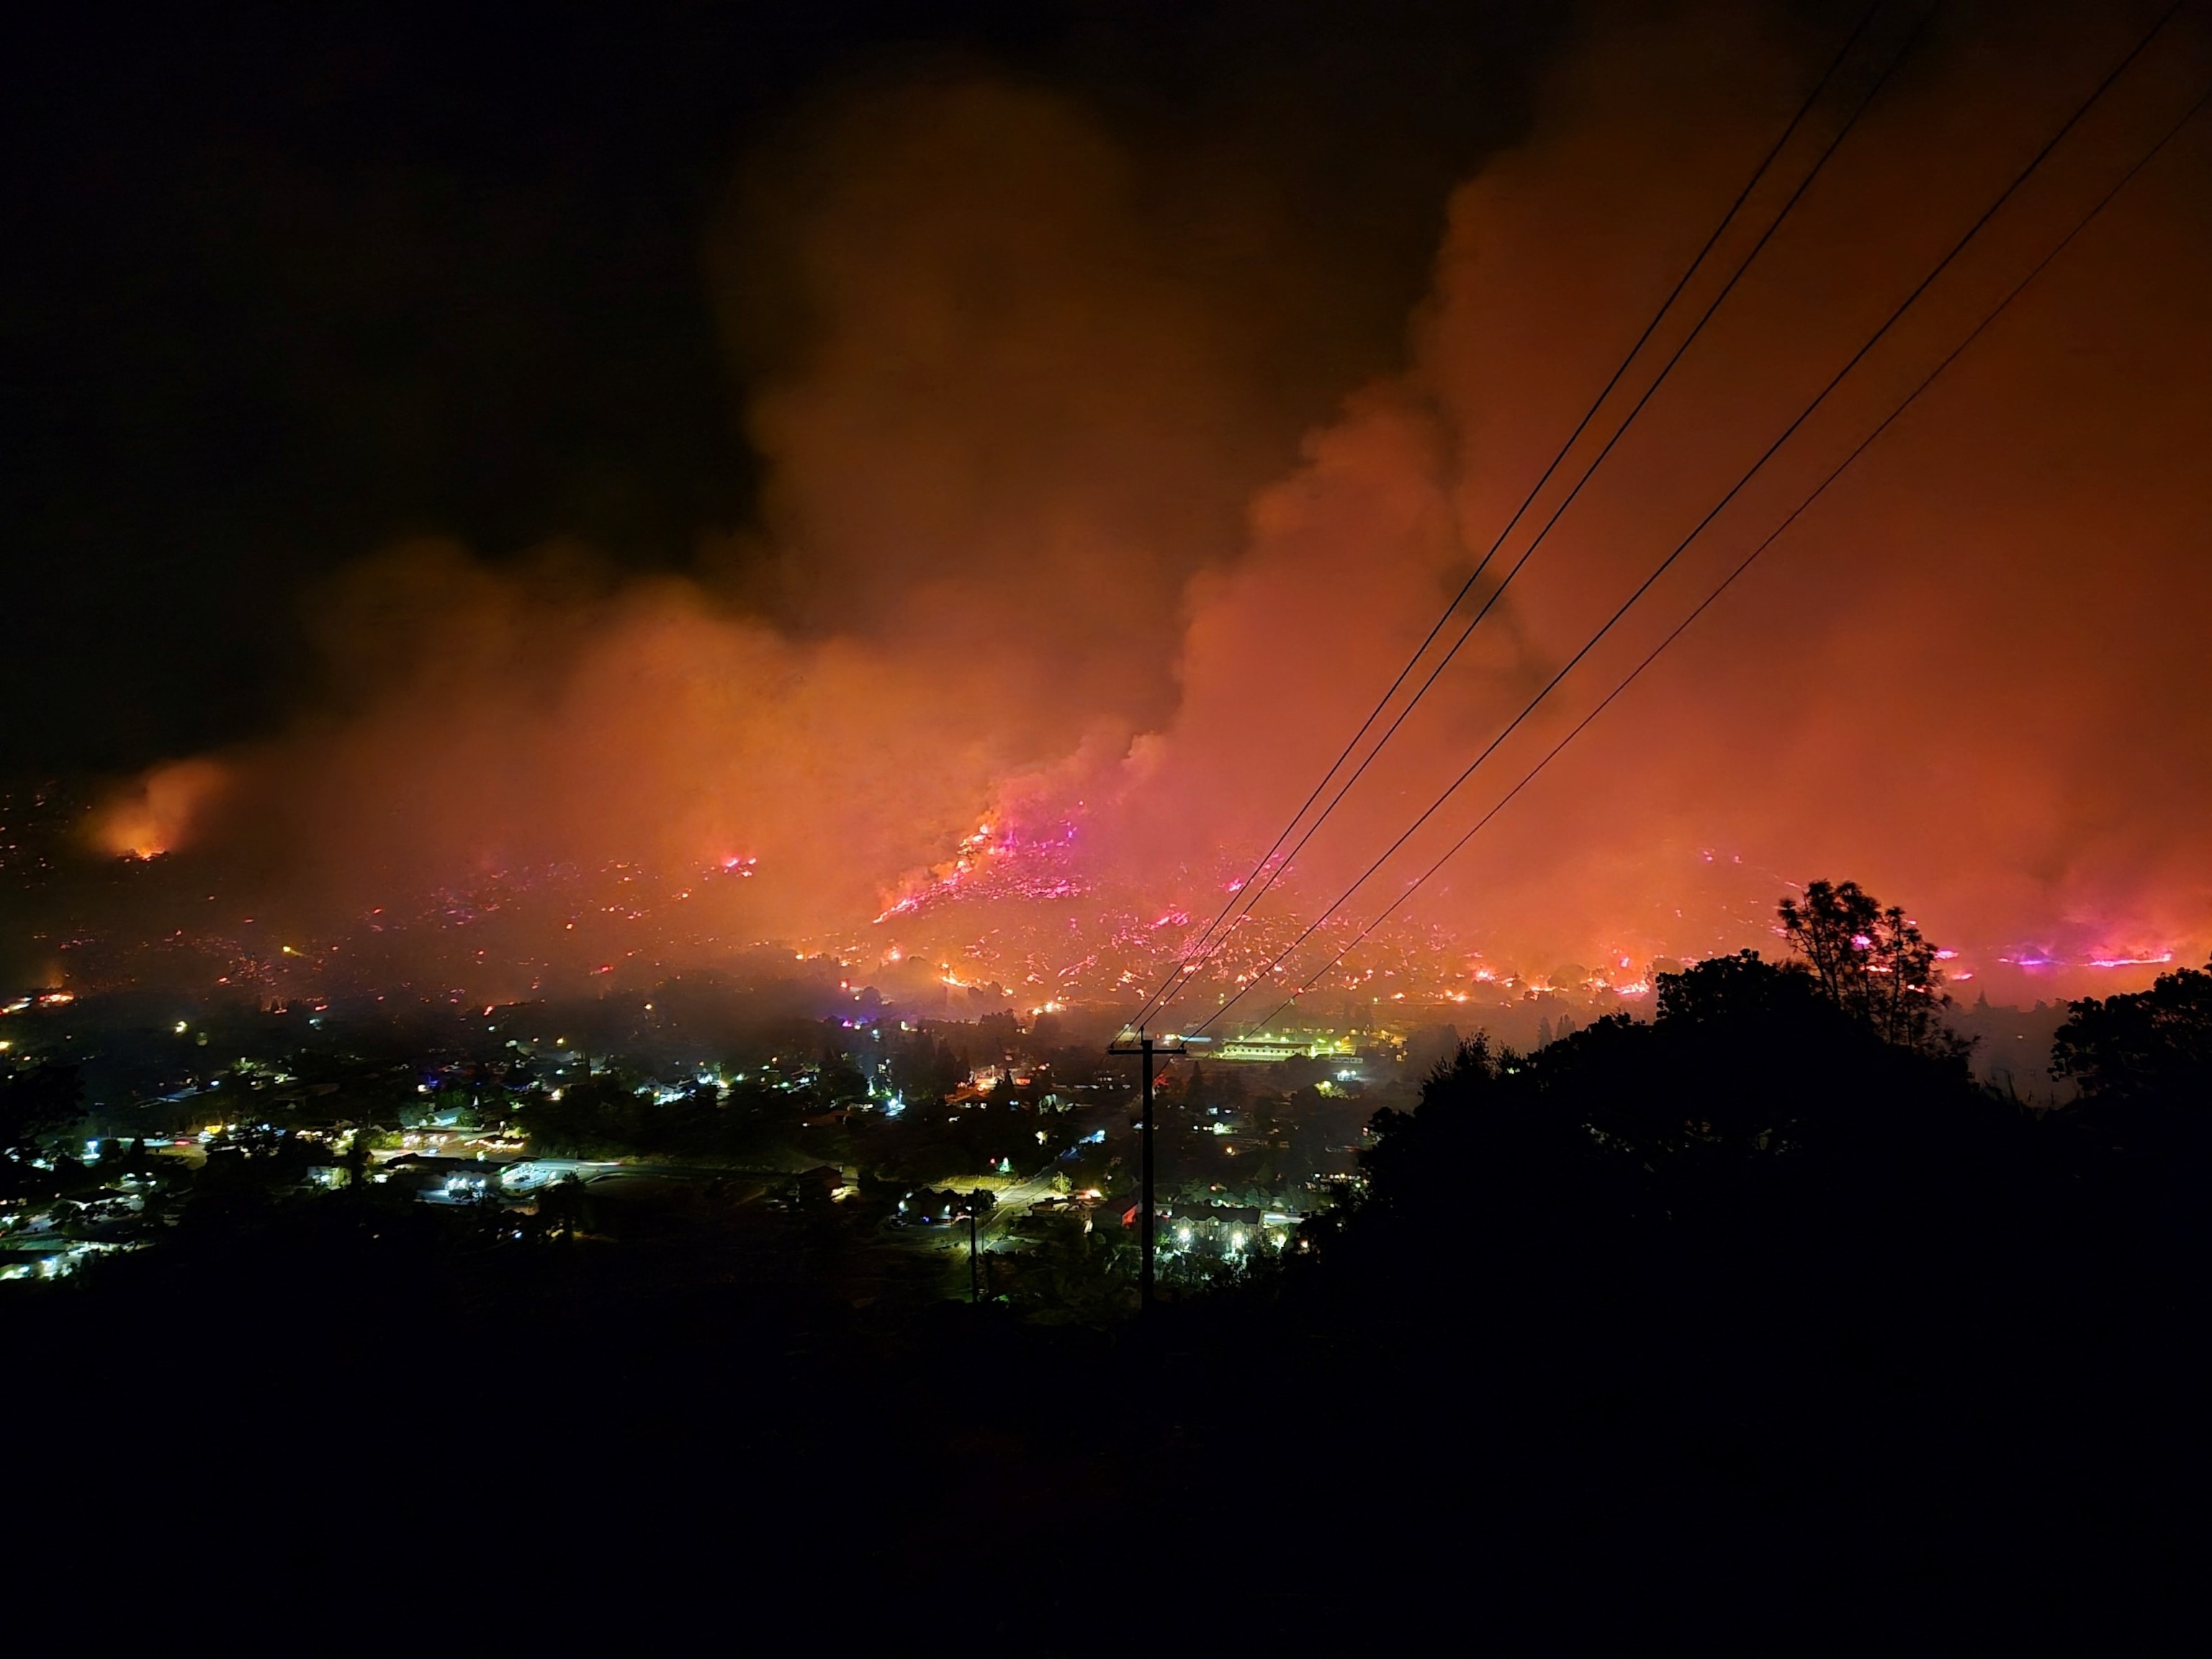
1870 961
1771 1280
1761 1316
38 1104
2151 1050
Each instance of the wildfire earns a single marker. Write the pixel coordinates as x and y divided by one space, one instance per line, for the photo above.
2153 961
159 812
2037 960
995 863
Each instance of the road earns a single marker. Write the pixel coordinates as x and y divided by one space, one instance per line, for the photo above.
995 1232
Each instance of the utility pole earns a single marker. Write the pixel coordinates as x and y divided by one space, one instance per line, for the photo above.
1143 1044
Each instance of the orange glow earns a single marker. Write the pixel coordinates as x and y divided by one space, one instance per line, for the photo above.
1075 568
158 813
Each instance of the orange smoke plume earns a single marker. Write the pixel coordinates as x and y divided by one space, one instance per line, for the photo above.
1043 544
158 812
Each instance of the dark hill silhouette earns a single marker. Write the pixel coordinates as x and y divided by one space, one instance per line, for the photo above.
1760 1320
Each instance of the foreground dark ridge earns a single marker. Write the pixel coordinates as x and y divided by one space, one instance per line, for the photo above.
1753 1316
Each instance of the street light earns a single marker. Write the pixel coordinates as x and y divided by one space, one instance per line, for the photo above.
969 1211
975 1284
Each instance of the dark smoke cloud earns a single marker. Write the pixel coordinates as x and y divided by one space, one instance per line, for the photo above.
1041 537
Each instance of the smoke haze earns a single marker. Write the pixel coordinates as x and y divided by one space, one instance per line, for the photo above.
1075 526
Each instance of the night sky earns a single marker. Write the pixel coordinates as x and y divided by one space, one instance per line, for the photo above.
285 284
829 442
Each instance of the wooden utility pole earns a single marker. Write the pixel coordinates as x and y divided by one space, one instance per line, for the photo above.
1143 1044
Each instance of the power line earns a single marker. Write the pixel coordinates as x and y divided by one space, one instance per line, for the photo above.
1251 896
1734 489
1162 993
1619 432
1751 558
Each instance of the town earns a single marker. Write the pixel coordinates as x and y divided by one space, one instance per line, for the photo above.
893 1135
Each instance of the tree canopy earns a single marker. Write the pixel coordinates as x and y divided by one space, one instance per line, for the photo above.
2150 1049
1870 961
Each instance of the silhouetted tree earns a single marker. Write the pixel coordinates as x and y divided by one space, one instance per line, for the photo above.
1000 1034
1194 1095
841 1079
602 1116
925 1068
1870 962
2151 1047
356 1154
561 1206
1756 1105
37 1104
